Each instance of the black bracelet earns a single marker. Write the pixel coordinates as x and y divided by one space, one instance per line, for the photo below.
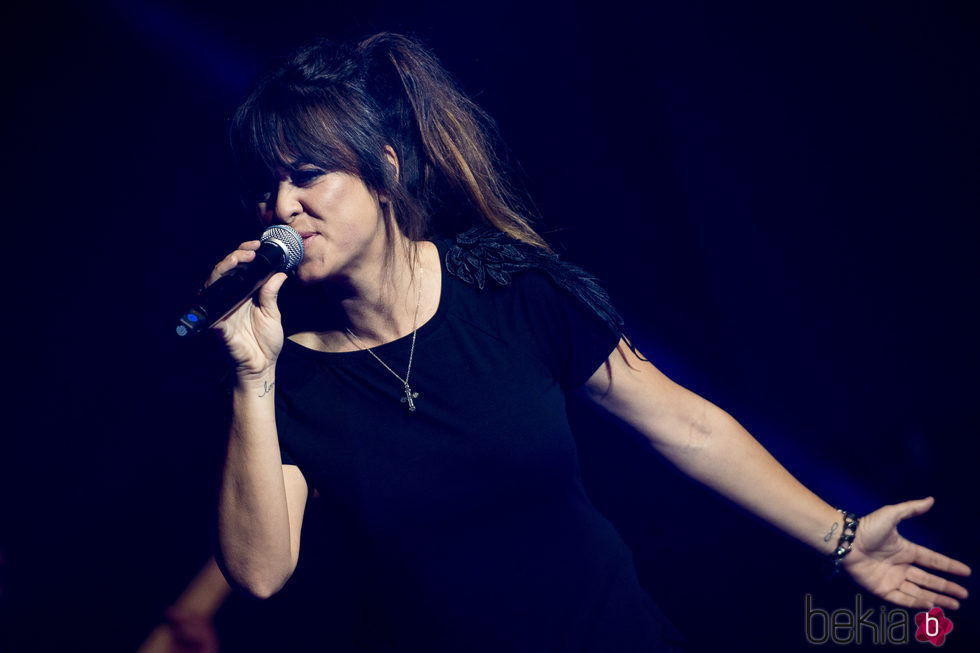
846 540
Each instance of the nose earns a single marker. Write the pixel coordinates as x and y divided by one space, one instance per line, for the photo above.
287 205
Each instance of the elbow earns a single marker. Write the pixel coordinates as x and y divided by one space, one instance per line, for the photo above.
690 433
254 583
262 589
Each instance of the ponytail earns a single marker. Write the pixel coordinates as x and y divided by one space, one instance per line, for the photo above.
453 132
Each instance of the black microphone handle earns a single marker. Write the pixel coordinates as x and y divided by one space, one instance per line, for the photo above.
232 290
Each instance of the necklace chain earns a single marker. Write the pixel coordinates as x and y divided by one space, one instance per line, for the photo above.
410 396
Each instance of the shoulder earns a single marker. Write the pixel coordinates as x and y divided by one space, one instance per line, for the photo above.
486 258
483 256
527 297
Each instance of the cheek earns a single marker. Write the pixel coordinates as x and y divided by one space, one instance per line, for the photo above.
364 219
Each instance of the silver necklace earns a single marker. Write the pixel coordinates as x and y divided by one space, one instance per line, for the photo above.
410 395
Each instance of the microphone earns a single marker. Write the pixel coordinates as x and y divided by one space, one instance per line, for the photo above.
281 250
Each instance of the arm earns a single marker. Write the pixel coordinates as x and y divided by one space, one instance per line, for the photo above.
260 500
205 593
707 444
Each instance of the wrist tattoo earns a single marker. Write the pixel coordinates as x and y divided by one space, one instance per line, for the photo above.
830 533
269 386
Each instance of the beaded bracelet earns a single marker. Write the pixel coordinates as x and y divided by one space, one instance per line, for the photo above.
846 540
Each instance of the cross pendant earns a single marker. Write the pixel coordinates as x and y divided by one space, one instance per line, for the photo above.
409 396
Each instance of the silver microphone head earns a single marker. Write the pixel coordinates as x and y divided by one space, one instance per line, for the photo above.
288 241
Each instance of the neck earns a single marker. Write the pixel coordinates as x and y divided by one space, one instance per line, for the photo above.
386 307
381 303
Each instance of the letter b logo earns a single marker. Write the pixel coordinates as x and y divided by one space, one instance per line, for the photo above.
933 626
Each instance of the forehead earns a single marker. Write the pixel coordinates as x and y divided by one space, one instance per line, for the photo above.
273 161
289 166
274 140
292 149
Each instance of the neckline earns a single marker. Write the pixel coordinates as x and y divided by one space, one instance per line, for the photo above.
422 332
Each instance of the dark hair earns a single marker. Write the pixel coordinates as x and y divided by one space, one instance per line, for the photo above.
338 105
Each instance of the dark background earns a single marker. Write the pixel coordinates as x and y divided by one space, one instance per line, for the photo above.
781 198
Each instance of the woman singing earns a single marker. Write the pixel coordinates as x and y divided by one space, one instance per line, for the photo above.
421 384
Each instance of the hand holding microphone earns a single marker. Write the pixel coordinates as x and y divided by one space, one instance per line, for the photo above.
253 335
280 249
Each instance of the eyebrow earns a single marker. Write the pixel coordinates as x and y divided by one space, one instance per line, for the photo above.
299 163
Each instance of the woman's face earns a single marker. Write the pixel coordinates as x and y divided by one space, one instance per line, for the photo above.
341 221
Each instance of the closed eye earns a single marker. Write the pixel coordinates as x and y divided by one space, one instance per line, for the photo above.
306 176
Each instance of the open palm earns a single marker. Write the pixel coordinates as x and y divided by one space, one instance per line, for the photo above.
893 568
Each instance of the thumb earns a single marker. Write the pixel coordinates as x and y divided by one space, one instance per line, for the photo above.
269 294
914 508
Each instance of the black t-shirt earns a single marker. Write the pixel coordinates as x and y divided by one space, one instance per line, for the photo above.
465 521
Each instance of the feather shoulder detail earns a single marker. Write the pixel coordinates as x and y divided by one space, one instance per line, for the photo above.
482 253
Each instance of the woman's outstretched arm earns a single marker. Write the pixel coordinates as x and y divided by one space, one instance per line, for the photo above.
707 444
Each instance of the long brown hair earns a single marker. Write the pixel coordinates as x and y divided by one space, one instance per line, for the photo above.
337 106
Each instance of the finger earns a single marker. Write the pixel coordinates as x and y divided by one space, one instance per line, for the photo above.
269 294
947 602
927 598
939 562
245 252
228 263
906 600
931 581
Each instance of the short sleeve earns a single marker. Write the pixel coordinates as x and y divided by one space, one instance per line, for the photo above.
286 458
282 427
572 338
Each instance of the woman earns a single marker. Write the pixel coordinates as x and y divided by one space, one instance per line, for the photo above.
421 389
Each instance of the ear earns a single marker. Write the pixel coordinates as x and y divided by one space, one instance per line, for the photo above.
392 158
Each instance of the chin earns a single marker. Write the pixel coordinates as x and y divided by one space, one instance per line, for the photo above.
309 280
306 275
309 275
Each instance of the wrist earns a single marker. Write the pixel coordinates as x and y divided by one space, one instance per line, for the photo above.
844 544
832 528
255 383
